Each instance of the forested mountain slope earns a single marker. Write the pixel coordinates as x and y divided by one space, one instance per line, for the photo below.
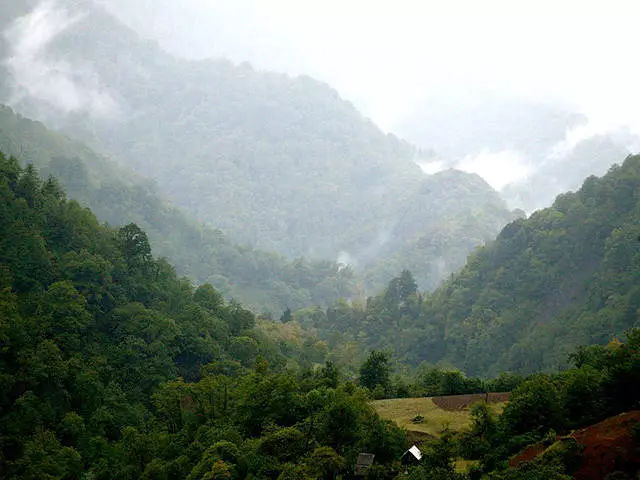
264 281
111 366
569 275
591 156
436 228
276 162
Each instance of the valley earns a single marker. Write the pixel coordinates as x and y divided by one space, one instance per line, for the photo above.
211 270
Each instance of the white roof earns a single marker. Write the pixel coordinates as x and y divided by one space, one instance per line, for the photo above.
415 451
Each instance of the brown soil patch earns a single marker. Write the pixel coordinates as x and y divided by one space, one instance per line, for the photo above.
419 438
608 447
456 403
528 454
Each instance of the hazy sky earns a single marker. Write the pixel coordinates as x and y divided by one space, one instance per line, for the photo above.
407 64
388 56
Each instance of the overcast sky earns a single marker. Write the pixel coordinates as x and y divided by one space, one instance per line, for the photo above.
448 74
387 56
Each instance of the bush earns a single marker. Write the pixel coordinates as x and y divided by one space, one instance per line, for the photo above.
378 393
565 451
534 406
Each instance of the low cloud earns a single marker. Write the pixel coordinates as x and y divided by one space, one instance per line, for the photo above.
432 167
497 168
64 85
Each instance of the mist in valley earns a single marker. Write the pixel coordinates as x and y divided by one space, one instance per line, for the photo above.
483 91
296 240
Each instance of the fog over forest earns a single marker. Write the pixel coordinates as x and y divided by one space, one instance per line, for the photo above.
482 92
498 89
319 240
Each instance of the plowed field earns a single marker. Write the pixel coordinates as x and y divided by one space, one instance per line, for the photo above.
456 403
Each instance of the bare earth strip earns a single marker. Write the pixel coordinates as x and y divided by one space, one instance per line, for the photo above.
463 402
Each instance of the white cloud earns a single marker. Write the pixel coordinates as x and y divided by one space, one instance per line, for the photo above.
385 56
432 167
66 86
497 168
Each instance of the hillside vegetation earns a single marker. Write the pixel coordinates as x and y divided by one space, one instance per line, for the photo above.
564 277
264 281
112 366
278 163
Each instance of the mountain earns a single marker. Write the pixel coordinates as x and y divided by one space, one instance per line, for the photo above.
437 236
112 366
275 162
530 151
569 275
566 171
263 281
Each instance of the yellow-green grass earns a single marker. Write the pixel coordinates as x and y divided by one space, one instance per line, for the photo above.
463 466
403 410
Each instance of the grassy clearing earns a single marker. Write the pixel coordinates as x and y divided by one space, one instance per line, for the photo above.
402 410
463 466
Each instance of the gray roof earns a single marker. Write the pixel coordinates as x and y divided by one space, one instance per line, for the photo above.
364 461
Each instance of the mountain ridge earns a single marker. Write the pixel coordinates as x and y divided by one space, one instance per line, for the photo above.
275 162
263 281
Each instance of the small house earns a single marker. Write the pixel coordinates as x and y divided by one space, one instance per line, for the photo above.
411 456
364 461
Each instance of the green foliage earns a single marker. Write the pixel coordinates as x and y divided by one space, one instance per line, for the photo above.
324 462
438 460
375 371
112 366
534 405
44 457
566 452
286 316
545 408
286 444
535 470
115 195
477 442
567 276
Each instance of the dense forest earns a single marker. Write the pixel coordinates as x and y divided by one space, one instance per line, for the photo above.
115 367
212 272
277 163
263 281
112 366
564 277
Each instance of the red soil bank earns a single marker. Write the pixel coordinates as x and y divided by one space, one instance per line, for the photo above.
608 446
528 454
